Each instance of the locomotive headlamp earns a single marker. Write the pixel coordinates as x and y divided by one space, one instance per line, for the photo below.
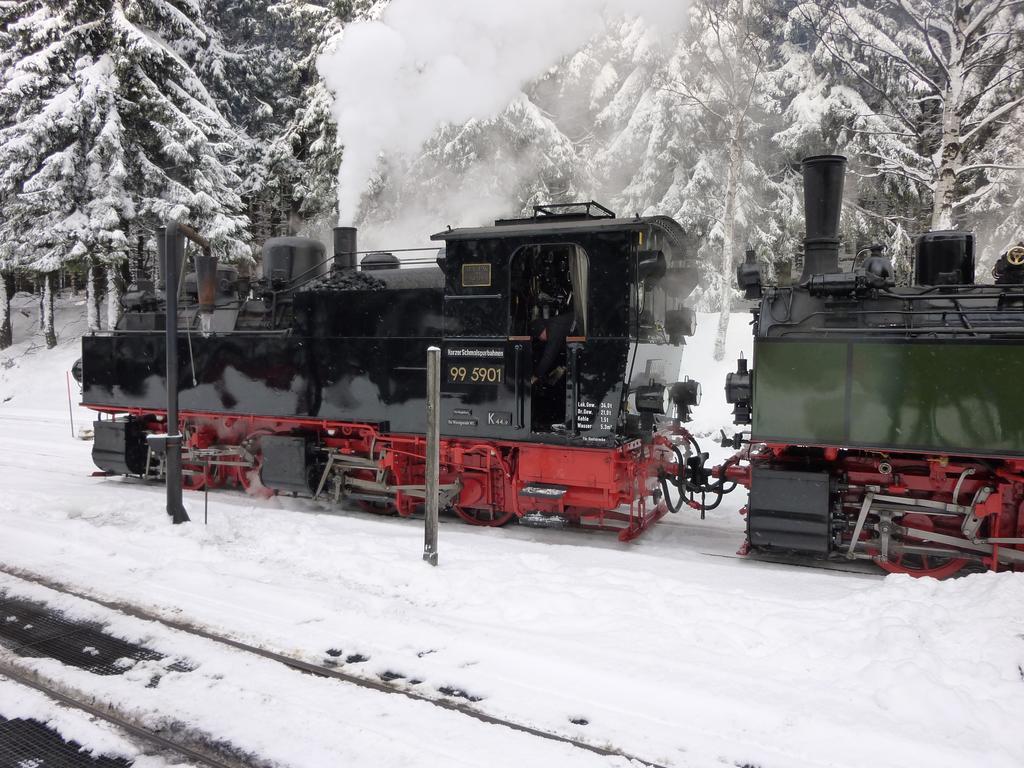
654 398
680 323
685 394
739 392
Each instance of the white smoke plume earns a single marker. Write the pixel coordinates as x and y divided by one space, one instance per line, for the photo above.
430 62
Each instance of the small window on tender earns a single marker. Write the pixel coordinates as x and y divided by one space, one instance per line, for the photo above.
476 275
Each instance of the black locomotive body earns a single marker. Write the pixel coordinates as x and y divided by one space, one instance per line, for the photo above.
561 338
885 421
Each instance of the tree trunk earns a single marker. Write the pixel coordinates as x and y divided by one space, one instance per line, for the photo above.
91 302
729 237
944 188
115 289
47 313
6 289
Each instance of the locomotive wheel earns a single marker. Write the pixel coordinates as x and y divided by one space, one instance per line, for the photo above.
217 476
249 479
196 479
485 517
377 507
200 475
920 565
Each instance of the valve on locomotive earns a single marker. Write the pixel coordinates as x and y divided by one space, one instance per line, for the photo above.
1009 268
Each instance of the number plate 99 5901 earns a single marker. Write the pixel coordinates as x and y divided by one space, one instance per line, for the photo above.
475 374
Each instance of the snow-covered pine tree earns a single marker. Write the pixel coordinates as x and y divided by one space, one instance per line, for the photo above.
42 150
256 82
184 156
7 15
302 160
106 126
943 83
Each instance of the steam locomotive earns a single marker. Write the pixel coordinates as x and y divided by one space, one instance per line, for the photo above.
561 337
885 422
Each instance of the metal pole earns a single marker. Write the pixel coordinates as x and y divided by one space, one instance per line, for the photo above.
71 413
433 454
174 255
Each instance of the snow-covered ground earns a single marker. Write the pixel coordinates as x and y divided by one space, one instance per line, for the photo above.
668 648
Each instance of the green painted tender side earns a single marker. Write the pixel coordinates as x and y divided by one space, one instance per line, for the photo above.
961 396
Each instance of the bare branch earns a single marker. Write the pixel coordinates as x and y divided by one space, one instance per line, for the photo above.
988 166
990 118
987 14
923 28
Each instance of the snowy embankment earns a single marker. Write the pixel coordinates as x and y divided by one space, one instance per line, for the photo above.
668 648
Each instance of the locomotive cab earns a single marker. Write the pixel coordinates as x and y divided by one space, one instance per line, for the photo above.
553 323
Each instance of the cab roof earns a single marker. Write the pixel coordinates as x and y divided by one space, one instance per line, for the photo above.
543 226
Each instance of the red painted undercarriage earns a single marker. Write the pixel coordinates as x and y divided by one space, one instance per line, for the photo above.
484 482
909 513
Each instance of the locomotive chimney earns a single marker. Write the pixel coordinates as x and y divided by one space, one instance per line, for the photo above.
823 202
206 282
345 247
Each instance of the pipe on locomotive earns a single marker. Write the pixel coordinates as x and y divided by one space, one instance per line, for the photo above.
823 202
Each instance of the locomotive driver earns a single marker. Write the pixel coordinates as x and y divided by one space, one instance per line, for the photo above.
554 332
555 328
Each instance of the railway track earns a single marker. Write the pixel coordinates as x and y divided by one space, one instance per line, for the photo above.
167 746
211 754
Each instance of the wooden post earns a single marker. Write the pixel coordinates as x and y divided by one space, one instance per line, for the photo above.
433 454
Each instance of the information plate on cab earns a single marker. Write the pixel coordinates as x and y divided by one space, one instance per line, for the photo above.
475 364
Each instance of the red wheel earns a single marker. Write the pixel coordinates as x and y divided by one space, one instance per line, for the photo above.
920 565
489 518
194 477
377 507
197 476
217 476
249 479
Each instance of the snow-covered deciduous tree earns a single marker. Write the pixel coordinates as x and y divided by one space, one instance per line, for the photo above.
942 86
721 77
46 311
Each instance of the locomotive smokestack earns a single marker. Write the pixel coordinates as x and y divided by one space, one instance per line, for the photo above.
345 247
823 202
206 282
